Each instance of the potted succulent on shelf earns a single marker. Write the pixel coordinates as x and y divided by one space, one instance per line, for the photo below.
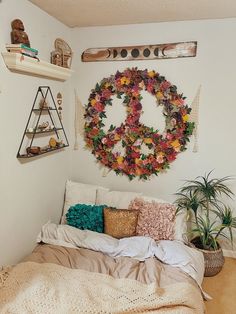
211 217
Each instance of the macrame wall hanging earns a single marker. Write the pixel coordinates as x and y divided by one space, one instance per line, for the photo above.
132 133
195 118
79 120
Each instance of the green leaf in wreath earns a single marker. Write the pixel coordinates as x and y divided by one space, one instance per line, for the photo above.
111 128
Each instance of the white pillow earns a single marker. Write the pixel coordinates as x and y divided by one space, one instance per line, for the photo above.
181 227
82 193
150 199
118 199
180 232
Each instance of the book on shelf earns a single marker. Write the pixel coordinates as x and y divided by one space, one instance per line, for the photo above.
12 47
23 51
27 55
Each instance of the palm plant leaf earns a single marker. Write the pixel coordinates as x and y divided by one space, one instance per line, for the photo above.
231 237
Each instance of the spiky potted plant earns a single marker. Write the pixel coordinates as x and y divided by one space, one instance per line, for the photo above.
211 218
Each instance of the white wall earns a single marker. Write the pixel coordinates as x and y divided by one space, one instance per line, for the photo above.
214 68
31 192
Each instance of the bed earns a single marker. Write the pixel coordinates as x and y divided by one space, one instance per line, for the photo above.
83 271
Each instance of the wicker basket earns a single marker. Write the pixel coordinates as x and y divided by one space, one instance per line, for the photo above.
214 260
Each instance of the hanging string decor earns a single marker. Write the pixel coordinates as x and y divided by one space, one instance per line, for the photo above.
164 147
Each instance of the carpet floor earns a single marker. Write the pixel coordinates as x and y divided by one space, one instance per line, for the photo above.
222 288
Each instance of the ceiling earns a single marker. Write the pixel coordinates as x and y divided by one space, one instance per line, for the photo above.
84 13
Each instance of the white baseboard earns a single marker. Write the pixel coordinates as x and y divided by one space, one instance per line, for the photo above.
229 253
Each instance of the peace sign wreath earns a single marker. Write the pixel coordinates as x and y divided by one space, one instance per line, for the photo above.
164 147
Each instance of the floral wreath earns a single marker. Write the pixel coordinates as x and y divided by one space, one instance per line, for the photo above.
165 147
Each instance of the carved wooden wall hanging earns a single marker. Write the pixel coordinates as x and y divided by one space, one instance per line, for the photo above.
145 52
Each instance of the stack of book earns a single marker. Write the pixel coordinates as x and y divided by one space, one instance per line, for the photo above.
23 49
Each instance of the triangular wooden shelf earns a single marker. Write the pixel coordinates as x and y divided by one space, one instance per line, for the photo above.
31 132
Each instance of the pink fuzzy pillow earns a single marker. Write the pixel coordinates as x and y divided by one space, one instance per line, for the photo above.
155 220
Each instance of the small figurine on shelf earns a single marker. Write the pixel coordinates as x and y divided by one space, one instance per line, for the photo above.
62 55
59 102
56 58
43 104
18 35
34 150
43 126
52 142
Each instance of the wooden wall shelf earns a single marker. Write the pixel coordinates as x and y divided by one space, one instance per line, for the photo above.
33 130
41 153
16 62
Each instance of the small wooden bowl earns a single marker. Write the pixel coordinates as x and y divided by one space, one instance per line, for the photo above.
35 150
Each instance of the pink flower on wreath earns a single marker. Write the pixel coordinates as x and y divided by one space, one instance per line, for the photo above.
164 145
173 122
106 93
138 142
99 107
164 85
150 87
110 143
160 158
97 97
135 90
145 162
135 155
170 136
104 140
132 119
138 106
171 157
178 101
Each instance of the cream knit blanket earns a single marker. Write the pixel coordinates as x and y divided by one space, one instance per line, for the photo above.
53 289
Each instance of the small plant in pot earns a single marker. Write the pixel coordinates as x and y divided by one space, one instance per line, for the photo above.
211 217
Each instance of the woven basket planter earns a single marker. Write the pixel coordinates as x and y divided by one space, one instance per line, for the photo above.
214 260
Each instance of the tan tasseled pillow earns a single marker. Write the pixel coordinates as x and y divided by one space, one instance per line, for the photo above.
120 223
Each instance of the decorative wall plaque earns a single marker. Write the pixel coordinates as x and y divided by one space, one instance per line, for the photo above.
145 52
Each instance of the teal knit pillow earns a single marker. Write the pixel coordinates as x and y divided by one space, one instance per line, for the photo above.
86 217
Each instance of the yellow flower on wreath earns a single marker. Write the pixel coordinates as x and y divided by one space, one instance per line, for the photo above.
147 140
93 102
151 73
185 117
117 137
137 161
119 160
106 85
125 80
159 95
176 145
